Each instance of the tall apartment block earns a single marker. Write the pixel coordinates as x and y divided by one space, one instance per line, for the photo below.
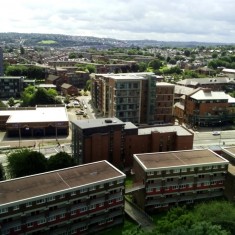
1 63
77 200
133 97
11 86
178 177
116 141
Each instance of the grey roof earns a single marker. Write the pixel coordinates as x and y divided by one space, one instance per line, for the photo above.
209 95
204 81
93 123
164 84
163 129
183 90
174 159
66 85
130 125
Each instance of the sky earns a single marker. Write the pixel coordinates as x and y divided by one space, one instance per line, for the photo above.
162 20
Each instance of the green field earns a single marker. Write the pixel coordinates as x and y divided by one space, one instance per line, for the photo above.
47 42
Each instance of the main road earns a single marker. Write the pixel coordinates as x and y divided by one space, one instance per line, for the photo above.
207 139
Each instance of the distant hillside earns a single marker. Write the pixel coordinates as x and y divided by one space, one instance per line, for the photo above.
60 41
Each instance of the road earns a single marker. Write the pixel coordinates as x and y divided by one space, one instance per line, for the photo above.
206 139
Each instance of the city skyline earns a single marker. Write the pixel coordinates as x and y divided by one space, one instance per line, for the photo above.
182 20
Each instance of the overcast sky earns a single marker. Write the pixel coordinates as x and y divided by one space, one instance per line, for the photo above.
164 20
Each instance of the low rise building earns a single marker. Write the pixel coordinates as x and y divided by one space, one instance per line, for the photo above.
83 199
178 177
35 121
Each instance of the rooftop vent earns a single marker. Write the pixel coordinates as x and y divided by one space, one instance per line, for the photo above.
108 121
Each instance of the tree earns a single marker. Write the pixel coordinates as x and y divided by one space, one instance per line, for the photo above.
11 102
155 64
25 162
22 50
2 172
91 68
60 160
27 95
187 53
72 55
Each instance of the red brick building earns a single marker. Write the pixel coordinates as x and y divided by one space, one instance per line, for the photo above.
117 141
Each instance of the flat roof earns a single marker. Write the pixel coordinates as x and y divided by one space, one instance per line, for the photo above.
40 114
229 150
39 185
100 122
181 131
184 158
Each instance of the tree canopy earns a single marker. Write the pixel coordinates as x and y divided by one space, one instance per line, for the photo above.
33 72
25 162
60 160
32 96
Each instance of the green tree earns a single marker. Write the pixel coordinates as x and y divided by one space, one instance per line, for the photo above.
27 95
91 68
2 172
25 162
22 50
59 161
155 64
72 55
187 53
11 102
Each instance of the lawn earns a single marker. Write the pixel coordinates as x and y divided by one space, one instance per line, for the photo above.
47 42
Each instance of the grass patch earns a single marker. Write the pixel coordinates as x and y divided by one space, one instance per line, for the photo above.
47 42
129 182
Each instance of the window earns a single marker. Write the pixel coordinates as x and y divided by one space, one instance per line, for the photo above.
73 193
119 199
110 201
109 219
150 173
102 222
62 196
184 170
83 228
51 218
176 170
16 208
83 209
50 198
101 186
62 216
83 190
3 210
159 172
73 212
208 168
168 172
120 181
149 190
17 228
215 167
92 188
110 183
40 201
42 221
28 204
30 224
101 204
92 207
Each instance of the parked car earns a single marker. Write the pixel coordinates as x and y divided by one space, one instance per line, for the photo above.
80 112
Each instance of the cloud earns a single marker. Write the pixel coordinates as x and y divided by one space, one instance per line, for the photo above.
181 20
